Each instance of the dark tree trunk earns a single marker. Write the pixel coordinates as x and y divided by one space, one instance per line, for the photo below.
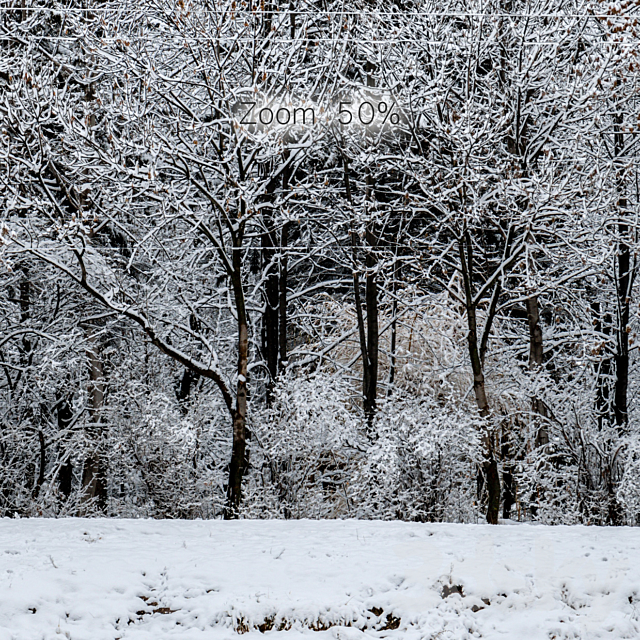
189 378
508 483
270 318
624 282
602 325
65 475
371 296
508 495
268 16
622 382
392 350
466 259
535 332
364 352
282 302
394 324
476 366
238 463
368 335
368 332
274 264
42 464
93 484
26 347
187 382
489 466
292 21
536 358
624 276
92 481
493 489
25 295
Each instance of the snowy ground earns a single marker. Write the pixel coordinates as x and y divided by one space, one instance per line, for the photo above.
144 579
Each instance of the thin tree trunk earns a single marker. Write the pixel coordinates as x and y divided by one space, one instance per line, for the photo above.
364 352
602 325
238 463
270 319
189 378
536 357
394 332
624 282
371 295
93 485
283 280
282 302
25 302
292 21
394 319
490 465
368 332
42 464
65 475
508 484
535 333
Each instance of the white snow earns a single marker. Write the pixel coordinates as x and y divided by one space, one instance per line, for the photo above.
146 579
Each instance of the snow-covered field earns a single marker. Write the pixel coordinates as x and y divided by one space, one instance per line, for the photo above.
107 579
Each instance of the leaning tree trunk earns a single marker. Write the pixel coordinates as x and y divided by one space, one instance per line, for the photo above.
490 465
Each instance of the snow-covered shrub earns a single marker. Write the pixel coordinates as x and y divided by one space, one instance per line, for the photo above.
421 466
164 459
306 447
628 492
312 457
577 477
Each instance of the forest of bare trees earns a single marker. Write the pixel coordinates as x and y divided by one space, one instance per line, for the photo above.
209 311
